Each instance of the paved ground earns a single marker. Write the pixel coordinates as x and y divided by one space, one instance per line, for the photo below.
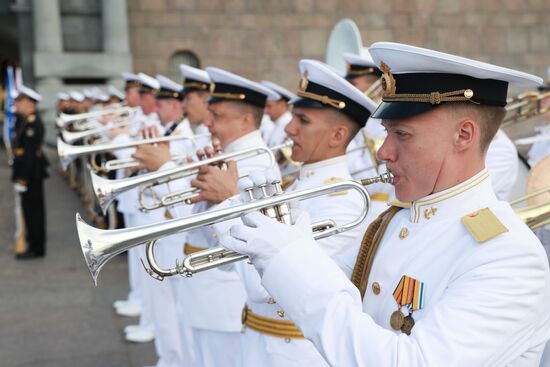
50 312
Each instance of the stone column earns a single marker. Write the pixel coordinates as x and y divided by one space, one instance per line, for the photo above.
47 26
47 40
114 16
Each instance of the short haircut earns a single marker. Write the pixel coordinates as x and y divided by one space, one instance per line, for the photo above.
256 111
488 119
342 117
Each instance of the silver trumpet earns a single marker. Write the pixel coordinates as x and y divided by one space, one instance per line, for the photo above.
107 190
64 118
99 246
71 137
67 152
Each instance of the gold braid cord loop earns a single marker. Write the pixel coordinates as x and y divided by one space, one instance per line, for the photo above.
434 98
369 246
323 99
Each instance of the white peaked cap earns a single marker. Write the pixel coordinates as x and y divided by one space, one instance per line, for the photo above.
26 91
148 81
417 80
127 76
196 74
169 84
113 91
228 83
87 93
77 96
403 58
281 91
62 96
322 86
364 59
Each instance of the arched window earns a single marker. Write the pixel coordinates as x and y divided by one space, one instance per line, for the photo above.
181 57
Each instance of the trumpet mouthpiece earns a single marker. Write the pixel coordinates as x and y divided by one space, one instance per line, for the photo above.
386 177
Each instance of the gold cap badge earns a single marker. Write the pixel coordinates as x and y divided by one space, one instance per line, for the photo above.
388 82
304 82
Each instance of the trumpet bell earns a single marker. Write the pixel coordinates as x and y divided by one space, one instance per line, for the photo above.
537 212
96 253
103 190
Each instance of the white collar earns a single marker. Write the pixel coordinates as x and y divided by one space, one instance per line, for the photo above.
307 169
284 119
244 141
466 197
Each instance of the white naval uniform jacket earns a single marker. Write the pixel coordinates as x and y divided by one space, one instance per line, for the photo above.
485 303
539 149
170 248
502 163
266 127
278 135
128 201
215 298
342 207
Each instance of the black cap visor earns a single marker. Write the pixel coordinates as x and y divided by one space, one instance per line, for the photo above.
401 110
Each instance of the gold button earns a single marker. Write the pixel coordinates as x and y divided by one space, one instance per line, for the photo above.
376 288
281 314
403 233
468 93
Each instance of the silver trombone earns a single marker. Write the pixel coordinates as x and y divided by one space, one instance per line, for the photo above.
107 190
99 246
68 152
64 118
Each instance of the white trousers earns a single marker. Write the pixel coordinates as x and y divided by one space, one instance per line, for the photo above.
215 348
165 319
186 333
134 267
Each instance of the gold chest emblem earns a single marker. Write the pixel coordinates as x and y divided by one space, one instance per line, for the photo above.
429 213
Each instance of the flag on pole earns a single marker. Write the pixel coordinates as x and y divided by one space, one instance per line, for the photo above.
9 109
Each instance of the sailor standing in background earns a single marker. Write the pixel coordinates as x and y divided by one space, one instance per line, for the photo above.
157 157
215 298
129 205
132 305
320 132
29 171
278 111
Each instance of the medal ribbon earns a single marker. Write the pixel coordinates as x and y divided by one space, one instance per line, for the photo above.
409 292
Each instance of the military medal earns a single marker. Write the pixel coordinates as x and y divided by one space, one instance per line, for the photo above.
408 324
408 293
397 319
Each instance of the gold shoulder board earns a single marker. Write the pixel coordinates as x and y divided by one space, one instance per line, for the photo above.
483 225
333 180
399 204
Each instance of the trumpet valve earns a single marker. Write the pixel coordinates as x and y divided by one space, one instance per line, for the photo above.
283 210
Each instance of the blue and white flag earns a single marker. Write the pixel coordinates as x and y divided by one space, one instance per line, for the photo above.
9 108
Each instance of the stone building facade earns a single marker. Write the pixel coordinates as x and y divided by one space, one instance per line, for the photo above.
72 44
264 39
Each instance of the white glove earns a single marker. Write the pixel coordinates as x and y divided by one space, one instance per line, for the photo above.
262 238
20 188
